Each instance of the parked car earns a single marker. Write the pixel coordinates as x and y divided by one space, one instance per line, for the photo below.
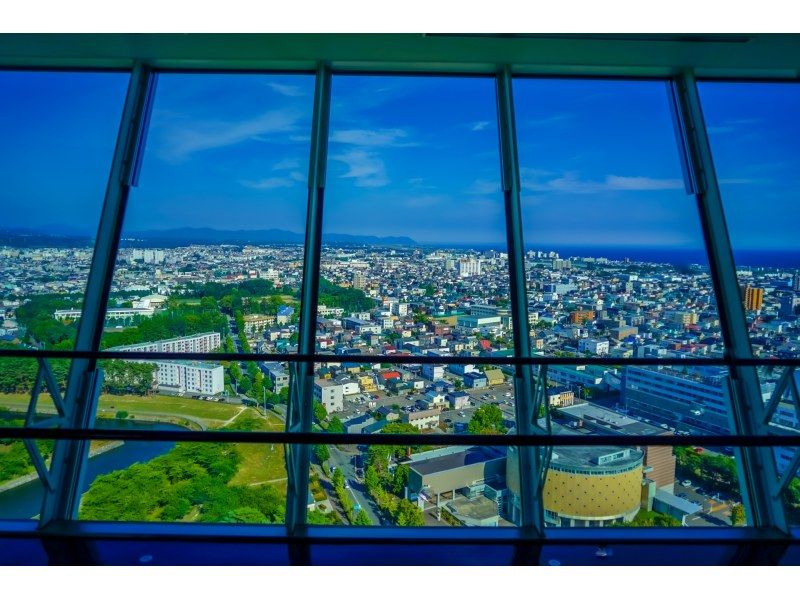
686 483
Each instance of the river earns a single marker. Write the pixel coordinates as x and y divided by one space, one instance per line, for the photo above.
25 502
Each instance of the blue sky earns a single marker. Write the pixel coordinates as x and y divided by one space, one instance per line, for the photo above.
413 156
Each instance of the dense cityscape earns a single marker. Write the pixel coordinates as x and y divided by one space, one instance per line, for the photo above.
413 301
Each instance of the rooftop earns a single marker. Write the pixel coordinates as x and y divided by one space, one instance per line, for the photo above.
462 458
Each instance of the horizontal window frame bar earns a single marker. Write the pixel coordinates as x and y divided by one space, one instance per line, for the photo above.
399 359
358 69
353 535
778 440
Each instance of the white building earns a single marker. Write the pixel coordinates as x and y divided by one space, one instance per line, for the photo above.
594 346
330 394
423 420
191 376
432 372
114 313
205 342
468 267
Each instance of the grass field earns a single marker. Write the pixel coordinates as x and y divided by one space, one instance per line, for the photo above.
206 414
261 463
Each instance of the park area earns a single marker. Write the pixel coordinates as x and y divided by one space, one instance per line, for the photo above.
257 465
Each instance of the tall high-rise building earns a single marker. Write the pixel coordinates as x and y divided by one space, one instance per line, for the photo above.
753 297
796 281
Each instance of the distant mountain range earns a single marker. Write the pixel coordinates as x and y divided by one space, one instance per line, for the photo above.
177 237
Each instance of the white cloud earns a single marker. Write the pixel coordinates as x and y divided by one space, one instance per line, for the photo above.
269 183
297 176
372 138
480 125
291 91
365 167
180 142
286 164
571 183
483 187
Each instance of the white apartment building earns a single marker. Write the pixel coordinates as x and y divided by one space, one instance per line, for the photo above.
330 394
205 342
115 313
468 267
190 376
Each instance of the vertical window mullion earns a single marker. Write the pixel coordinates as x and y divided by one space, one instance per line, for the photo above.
299 415
85 380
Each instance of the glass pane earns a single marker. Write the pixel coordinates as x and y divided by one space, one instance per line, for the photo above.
21 379
413 398
615 486
411 486
754 133
190 482
614 252
59 132
212 244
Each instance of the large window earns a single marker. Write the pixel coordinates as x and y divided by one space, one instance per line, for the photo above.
415 323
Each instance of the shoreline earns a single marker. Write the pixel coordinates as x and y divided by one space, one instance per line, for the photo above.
33 476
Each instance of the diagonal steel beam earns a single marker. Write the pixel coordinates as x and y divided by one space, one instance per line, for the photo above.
531 462
85 380
300 409
757 468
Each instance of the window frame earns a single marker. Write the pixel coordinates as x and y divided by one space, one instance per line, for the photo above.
758 478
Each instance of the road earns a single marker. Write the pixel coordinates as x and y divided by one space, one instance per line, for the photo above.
345 460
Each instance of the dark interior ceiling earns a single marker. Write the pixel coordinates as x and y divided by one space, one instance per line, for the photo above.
709 55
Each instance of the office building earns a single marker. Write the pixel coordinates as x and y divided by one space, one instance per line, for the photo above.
753 298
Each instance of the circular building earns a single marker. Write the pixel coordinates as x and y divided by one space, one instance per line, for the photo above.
586 486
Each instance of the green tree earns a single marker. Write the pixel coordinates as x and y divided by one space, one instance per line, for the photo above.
336 426
371 479
487 419
319 411
121 415
400 478
362 518
322 453
408 514
737 514
338 478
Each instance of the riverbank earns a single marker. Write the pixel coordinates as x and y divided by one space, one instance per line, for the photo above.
33 476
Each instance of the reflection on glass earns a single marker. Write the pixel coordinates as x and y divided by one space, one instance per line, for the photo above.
615 258
754 132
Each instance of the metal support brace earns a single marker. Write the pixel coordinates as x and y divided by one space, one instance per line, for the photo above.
531 464
85 380
757 469
300 412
